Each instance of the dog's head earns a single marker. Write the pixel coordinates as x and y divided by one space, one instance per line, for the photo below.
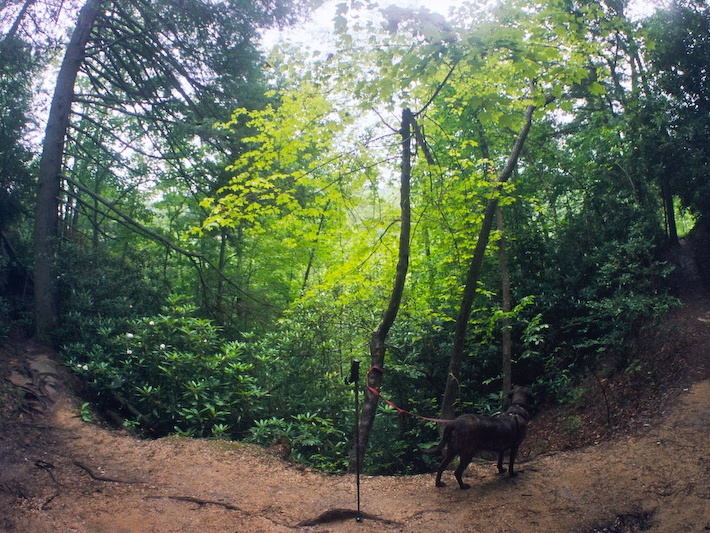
520 401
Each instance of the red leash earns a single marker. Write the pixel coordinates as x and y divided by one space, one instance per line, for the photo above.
399 410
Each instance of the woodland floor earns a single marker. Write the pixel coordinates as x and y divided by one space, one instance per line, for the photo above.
631 455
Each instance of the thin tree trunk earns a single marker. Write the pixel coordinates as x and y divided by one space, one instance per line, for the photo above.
127 220
312 251
18 20
505 282
474 271
379 336
96 233
50 169
427 254
505 278
221 265
668 208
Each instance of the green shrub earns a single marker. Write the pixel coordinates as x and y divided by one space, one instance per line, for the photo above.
169 373
95 284
314 440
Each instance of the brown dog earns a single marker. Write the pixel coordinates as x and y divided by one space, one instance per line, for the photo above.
471 433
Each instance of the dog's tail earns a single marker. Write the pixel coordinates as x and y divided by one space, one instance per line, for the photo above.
439 447
434 449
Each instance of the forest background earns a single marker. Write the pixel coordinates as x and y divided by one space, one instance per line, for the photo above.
210 234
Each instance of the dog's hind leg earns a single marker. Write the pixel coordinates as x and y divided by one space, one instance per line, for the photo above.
464 461
501 468
444 463
513 454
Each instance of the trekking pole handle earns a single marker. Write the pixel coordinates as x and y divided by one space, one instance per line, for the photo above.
354 371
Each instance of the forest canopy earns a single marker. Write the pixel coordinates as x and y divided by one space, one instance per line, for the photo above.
210 231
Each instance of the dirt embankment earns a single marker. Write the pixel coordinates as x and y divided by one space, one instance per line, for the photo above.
647 470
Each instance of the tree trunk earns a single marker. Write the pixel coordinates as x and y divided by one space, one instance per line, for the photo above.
220 300
668 209
379 336
474 271
312 251
504 277
49 178
505 326
18 20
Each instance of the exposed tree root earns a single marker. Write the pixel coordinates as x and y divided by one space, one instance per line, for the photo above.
198 501
97 477
201 502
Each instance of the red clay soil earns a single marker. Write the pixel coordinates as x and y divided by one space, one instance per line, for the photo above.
631 455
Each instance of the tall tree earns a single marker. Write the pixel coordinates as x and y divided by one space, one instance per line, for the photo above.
483 72
15 93
679 60
474 272
379 336
50 169
169 71
507 343
16 180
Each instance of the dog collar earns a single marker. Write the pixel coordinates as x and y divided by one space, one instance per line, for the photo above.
524 413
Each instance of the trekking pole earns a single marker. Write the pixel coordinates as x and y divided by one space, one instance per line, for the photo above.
355 379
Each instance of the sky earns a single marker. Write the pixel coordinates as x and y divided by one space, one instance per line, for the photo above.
319 26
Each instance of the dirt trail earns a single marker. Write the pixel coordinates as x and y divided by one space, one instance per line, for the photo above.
59 474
